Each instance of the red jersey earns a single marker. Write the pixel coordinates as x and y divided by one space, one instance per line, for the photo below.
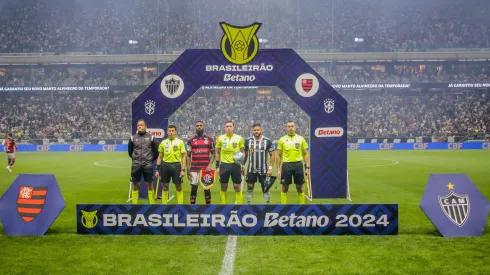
9 145
201 148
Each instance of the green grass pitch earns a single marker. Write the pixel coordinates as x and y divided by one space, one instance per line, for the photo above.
375 177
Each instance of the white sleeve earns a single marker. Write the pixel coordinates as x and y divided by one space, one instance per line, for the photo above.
3 142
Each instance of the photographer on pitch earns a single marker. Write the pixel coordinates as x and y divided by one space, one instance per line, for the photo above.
143 150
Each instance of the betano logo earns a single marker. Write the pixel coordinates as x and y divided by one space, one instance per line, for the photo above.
157 133
240 44
329 132
89 219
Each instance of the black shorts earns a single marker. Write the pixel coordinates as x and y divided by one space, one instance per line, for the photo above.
290 170
171 171
138 171
254 177
230 169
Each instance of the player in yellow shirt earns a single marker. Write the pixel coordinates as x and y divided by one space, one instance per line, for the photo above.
226 167
172 152
292 149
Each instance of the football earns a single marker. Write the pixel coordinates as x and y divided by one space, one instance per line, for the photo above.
238 157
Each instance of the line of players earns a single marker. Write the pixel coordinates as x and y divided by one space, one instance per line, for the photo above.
173 159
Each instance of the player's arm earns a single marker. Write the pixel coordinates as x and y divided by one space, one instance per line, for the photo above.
279 157
130 147
272 157
306 157
183 154
161 149
189 158
218 154
246 153
241 144
154 149
212 157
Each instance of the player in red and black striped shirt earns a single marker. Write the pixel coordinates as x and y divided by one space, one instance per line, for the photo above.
10 147
200 148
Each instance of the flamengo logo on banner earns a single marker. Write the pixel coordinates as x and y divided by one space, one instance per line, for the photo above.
158 133
329 132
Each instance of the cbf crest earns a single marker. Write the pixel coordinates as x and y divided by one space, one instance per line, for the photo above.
239 45
455 207
150 107
329 105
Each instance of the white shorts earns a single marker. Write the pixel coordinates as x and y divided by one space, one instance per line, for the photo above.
194 178
11 156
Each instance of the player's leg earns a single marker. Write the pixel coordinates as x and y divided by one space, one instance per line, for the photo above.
194 186
286 180
177 180
251 179
148 176
165 181
136 173
299 181
224 177
10 159
266 194
236 177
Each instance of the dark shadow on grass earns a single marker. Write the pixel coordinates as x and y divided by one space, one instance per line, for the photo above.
430 232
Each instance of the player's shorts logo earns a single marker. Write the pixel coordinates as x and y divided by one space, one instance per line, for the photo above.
307 85
172 86
329 105
150 107
239 45
30 201
89 219
455 207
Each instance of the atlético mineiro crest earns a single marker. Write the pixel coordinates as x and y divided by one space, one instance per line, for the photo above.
329 105
307 84
150 107
30 201
455 207
172 85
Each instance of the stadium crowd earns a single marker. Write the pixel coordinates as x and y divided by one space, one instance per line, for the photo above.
337 74
107 26
369 116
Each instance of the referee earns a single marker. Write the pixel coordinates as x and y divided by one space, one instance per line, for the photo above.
257 148
226 146
172 152
291 151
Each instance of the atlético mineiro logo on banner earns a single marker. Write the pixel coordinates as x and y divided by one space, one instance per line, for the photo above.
307 85
172 86
30 201
455 207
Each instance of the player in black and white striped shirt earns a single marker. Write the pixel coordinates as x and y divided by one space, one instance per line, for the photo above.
257 150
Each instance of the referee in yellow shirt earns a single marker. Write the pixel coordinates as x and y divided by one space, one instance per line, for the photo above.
172 152
226 146
292 149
